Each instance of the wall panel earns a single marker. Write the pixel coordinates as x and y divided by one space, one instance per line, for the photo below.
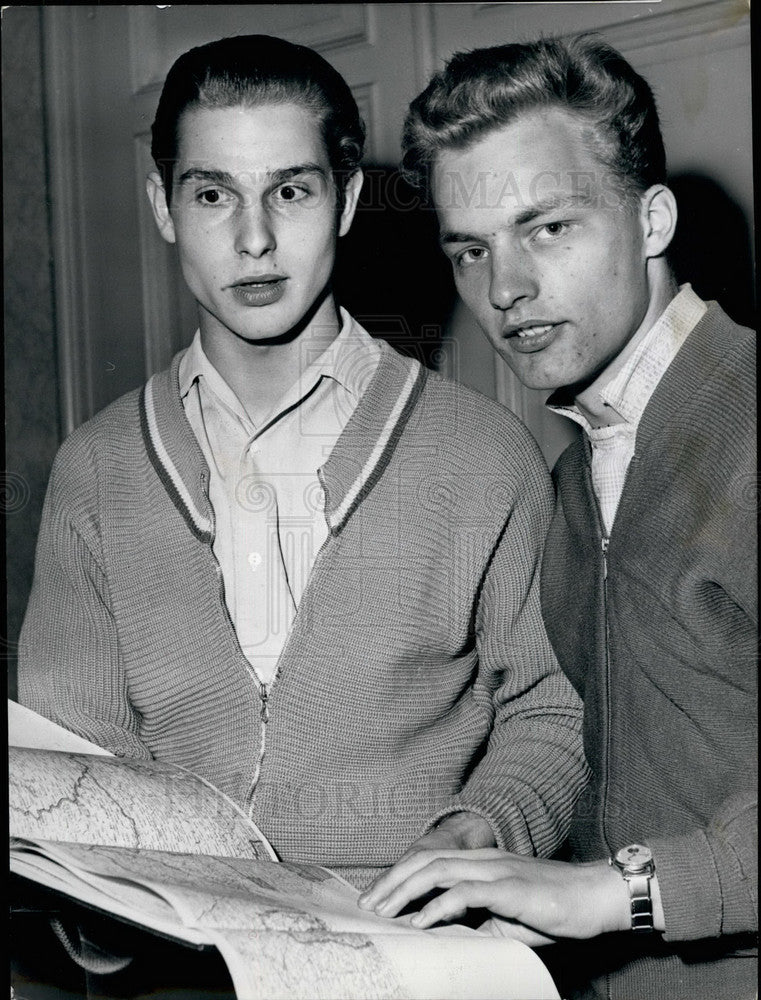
31 398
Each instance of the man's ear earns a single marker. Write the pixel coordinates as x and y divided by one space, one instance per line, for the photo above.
351 197
659 215
157 197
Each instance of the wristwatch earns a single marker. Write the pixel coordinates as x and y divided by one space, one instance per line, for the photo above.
635 862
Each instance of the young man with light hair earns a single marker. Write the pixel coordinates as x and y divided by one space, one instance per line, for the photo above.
547 168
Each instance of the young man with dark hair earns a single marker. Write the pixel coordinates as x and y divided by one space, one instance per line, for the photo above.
296 562
547 169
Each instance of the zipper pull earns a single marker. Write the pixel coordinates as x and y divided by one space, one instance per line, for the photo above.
605 542
263 694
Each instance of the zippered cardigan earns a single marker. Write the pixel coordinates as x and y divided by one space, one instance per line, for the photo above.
659 638
417 679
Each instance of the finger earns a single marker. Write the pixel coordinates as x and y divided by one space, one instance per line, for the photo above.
387 882
452 904
405 867
439 873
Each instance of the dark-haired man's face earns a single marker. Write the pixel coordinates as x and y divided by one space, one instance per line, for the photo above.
545 253
254 216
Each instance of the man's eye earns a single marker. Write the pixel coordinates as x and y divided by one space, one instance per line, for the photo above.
291 192
473 255
551 230
212 196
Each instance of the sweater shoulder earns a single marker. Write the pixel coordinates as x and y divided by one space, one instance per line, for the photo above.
115 423
485 429
446 389
714 378
716 317
111 438
722 357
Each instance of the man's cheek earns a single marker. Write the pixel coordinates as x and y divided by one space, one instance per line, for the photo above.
472 293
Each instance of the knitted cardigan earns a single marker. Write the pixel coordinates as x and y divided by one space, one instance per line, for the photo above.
663 653
417 679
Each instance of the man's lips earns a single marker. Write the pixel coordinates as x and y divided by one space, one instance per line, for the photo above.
531 327
259 289
533 335
257 279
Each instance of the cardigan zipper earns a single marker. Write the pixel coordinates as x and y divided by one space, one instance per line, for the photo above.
604 546
263 691
264 695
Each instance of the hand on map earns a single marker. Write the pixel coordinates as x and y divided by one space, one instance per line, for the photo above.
533 900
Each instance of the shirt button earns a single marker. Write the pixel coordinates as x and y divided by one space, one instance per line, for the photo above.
254 449
254 560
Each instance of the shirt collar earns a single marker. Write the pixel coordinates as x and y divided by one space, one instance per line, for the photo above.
350 360
194 364
627 388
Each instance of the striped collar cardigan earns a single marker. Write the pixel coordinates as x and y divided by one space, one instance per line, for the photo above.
417 678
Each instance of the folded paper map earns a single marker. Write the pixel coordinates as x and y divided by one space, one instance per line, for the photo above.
156 845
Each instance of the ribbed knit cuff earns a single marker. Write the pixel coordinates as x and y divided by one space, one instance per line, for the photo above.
526 823
459 808
704 890
690 889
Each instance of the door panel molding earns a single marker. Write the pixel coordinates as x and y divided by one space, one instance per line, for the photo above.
157 37
73 334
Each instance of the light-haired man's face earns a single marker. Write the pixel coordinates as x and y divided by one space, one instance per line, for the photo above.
545 253
254 216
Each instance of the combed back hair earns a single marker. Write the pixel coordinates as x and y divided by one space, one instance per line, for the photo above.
486 89
251 70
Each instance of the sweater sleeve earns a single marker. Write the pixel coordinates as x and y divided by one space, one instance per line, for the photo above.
708 877
533 770
70 668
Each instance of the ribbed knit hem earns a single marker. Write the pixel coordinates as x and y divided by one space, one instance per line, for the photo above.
708 878
688 876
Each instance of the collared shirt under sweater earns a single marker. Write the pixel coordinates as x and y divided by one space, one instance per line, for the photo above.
627 392
269 506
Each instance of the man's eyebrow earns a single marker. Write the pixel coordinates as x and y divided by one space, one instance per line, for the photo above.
288 173
546 206
226 179
221 177
452 236
560 203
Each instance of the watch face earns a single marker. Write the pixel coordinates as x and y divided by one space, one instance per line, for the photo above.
634 857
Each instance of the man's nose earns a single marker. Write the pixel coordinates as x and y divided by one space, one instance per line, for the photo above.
254 233
513 277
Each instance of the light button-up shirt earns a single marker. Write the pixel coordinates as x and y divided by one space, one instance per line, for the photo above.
269 506
626 388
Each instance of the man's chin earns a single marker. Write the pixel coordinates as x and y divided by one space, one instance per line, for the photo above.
530 376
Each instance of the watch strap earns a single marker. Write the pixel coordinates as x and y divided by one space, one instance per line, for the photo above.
641 902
